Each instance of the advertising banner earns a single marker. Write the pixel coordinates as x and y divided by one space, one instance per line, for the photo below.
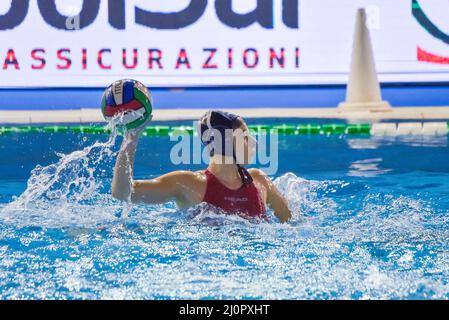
91 43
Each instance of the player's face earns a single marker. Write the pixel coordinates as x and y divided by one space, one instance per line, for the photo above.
245 144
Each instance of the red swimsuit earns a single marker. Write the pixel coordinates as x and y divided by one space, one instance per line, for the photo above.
245 201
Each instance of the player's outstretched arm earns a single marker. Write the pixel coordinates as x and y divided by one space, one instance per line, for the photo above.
185 187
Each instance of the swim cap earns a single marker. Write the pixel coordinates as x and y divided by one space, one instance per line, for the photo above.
217 122
222 123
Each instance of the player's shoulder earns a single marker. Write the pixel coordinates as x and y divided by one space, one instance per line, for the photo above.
193 176
258 175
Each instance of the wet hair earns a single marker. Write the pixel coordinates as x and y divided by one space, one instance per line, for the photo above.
220 121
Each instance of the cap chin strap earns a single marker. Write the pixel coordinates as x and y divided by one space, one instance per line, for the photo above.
245 176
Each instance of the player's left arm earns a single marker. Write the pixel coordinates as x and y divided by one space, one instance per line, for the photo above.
275 199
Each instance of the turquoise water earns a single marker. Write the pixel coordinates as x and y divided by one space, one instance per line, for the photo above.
371 221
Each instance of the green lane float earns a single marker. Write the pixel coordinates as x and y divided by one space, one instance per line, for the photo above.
177 130
165 130
55 129
333 128
309 129
284 129
358 129
156 131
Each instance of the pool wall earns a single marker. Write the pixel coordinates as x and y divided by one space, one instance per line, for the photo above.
81 105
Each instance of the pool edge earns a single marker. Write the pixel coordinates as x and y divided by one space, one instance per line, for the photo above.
89 115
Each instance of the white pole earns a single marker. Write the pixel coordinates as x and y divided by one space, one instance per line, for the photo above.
363 90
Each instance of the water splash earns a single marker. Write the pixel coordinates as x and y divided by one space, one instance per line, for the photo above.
68 192
351 237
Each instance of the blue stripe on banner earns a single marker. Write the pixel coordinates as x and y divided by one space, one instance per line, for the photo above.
227 97
128 91
110 101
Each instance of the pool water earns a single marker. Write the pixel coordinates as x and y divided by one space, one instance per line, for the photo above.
371 221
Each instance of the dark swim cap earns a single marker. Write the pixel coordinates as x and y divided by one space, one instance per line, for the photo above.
219 122
214 122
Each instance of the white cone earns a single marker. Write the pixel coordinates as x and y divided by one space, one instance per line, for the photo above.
363 90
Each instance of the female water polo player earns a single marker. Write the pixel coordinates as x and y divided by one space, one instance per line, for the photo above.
225 184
